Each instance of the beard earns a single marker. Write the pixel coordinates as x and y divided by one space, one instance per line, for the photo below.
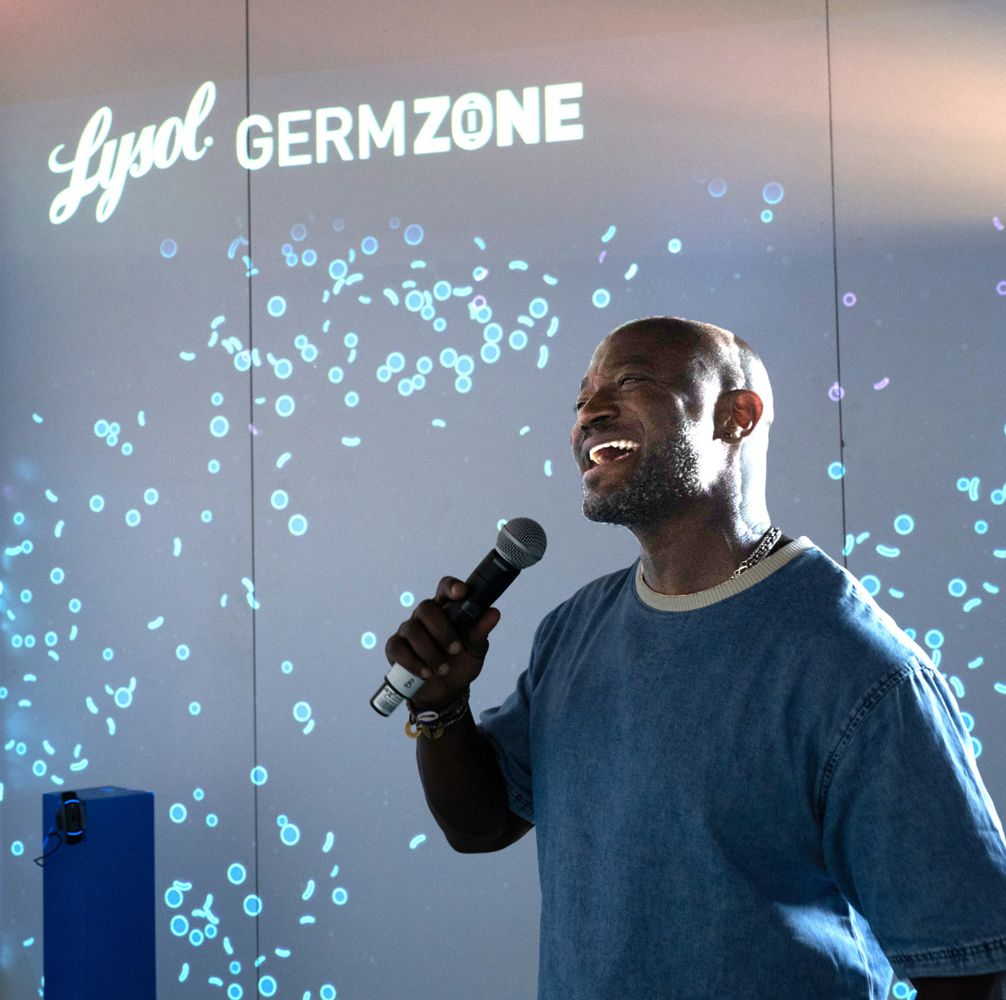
663 479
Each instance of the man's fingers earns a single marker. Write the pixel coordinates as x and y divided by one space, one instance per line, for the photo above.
397 650
428 644
450 588
480 632
431 616
429 648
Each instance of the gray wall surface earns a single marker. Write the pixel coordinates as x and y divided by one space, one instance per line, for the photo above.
251 415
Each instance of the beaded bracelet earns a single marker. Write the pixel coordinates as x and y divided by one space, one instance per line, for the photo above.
432 724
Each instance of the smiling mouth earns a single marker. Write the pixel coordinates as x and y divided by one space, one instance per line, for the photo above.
615 450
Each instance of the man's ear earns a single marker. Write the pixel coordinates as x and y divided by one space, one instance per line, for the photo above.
737 414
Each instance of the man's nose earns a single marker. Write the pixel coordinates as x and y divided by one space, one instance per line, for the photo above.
599 405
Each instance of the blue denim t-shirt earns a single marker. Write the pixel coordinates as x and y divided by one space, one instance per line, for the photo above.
757 791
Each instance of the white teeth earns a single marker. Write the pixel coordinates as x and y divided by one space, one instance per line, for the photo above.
621 444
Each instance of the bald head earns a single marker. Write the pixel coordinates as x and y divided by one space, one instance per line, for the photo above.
717 356
672 414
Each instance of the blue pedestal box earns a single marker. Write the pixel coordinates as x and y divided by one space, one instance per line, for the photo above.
98 896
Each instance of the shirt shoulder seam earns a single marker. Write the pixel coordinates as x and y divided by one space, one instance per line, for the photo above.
859 714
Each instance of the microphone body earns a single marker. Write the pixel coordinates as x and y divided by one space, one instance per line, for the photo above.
520 543
488 581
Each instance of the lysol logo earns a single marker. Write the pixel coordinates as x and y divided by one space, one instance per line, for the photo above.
101 162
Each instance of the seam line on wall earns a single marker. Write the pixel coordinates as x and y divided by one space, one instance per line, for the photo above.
251 459
834 266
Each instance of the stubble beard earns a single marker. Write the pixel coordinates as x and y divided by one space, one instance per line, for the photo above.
662 481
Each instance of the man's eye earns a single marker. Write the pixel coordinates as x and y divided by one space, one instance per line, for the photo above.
630 378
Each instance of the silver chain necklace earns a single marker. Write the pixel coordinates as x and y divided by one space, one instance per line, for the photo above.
762 549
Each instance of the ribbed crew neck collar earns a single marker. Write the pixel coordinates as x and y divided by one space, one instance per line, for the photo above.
703 598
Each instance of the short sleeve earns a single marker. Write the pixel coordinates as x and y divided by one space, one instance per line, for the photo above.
508 729
911 836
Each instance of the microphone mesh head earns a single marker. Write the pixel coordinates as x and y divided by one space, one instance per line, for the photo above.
521 542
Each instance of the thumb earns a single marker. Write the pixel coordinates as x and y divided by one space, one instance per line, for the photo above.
480 632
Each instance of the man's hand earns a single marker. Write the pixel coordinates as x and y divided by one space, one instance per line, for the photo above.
462 780
427 644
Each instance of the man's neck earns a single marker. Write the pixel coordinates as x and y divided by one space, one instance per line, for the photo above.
689 554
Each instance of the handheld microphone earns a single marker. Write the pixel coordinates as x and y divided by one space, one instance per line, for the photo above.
520 543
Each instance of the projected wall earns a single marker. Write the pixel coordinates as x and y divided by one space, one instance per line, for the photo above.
286 332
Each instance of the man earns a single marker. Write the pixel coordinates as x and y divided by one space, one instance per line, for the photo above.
745 780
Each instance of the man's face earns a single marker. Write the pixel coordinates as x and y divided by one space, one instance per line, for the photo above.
643 437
